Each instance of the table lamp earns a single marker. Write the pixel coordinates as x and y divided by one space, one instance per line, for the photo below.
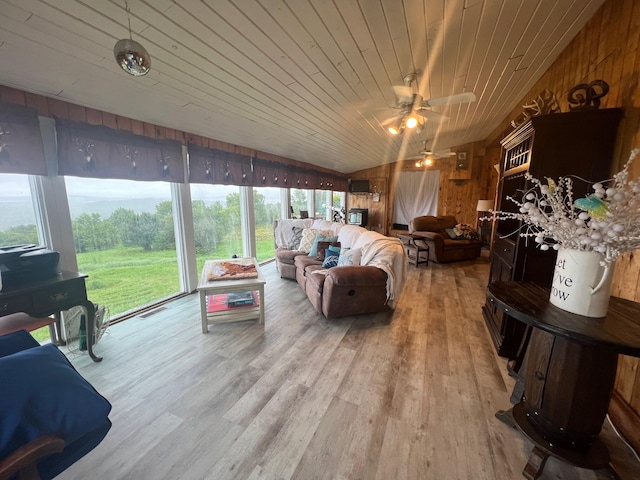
484 226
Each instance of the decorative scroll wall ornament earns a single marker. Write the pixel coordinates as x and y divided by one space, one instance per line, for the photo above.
545 104
21 149
586 96
100 152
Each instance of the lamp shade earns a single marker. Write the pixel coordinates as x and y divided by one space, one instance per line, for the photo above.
484 205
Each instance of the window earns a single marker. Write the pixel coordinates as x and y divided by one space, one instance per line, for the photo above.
124 239
267 208
323 204
216 222
18 223
299 201
337 213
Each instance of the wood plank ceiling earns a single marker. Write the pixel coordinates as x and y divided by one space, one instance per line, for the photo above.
309 80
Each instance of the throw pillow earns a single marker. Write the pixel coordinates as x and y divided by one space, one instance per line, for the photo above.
466 231
47 395
16 342
294 244
308 237
349 256
453 235
321 237
323 248
330 260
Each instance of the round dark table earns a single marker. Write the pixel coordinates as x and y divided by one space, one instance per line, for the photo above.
570 372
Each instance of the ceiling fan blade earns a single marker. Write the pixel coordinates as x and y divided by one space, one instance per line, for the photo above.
404 94
390 120
443 154
465 97
430 114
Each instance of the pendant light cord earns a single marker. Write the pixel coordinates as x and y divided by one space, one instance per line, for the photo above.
126 7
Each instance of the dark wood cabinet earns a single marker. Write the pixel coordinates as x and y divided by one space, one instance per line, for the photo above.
579 144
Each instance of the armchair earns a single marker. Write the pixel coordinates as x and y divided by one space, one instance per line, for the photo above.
51 416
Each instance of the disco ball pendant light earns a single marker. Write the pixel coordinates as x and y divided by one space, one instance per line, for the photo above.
132 57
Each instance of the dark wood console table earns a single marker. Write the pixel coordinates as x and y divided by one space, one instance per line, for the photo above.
570 373
52 296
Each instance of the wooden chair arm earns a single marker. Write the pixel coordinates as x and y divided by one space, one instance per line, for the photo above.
23 461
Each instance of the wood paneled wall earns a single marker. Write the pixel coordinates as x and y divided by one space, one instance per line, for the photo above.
607 48
378 181
52 107
459 190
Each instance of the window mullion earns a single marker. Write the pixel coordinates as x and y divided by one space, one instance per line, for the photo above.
50 202
184 233
247 222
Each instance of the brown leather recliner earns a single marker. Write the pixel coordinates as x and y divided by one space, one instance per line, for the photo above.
442 248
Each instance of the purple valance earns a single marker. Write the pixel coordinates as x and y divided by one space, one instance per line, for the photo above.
209 165
21 149
95 151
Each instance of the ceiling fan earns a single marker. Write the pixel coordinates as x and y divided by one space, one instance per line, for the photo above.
427 155
414 110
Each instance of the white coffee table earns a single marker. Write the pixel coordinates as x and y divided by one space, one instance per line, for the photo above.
222 286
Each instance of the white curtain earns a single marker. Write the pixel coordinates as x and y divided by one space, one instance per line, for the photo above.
416 194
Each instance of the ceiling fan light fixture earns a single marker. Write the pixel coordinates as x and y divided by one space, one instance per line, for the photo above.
411 122
397 127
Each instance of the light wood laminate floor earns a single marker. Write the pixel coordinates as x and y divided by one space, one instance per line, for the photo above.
408 395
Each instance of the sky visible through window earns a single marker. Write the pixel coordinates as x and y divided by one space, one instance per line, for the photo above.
14 190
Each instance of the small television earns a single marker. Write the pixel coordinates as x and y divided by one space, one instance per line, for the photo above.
358 216
359 186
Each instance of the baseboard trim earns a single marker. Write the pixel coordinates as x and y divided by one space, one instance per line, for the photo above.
625 419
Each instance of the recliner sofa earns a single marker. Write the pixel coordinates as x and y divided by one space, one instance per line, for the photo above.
369 287
432 231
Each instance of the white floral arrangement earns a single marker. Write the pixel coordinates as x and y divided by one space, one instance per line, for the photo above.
606 221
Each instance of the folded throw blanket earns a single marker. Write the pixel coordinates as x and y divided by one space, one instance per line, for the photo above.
381 253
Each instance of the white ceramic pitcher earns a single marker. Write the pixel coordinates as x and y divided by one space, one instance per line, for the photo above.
580 283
